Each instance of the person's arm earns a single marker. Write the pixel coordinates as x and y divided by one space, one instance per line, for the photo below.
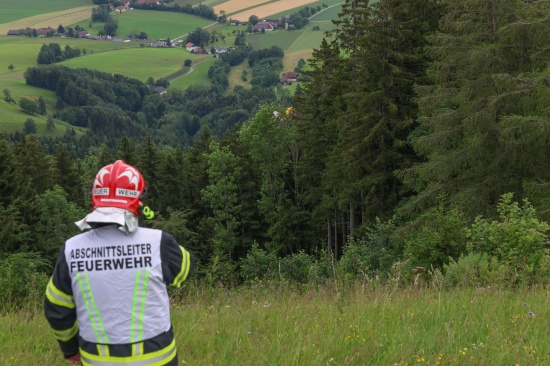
177 263
60 309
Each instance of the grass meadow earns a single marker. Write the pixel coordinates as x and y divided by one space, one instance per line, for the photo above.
327 14
13 118
199 75
22 52
235 76
139 63
157 24
358 325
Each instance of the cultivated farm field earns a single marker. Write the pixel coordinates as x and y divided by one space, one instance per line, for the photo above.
265 11
234 6
331 325
14 10
313 4
52 19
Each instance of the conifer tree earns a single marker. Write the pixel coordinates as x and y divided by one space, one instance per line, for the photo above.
36 166
148 166
483 114
360 104
173 183
221 196
271 141
126 150
68 177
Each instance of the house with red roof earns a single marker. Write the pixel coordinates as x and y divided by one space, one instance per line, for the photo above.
288 77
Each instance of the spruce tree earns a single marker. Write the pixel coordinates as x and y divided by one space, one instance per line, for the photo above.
35 165
148 166
483 114
68 177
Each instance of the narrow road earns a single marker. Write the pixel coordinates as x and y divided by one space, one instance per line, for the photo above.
322 10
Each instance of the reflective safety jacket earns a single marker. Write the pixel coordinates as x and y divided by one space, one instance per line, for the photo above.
107 297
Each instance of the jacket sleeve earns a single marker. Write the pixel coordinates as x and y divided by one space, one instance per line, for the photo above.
177 263
60 309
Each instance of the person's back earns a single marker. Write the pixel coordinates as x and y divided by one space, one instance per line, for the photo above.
107 301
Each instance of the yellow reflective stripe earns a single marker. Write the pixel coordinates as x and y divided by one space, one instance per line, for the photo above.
58 297
157 358
65 335
185 265
137 349
103 350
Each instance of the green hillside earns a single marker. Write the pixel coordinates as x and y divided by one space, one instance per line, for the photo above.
139 63
157 24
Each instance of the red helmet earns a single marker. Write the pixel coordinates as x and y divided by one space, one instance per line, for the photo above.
118 185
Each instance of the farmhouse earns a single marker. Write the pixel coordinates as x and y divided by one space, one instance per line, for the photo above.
236 22
288 77
159 89
45 31
139 2
13 32
189 46
220 49
263 26
276 23
200 51
159 43
121 9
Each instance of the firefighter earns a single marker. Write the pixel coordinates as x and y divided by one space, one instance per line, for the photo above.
107 301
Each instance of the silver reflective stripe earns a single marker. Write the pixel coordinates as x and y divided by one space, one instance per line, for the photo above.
103 350
137 349
59 298
129 361
65 335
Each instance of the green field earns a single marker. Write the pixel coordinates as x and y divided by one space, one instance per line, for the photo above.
291 41
210 3
310 39
333 325
13 118
281 38
139 63
327 14
22 52
14 10
197 77
194 2
157 24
